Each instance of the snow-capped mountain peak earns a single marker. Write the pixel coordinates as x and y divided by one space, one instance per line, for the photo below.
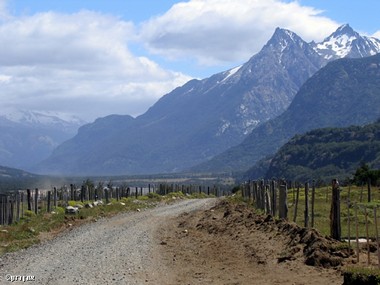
345 42
28 117
30 136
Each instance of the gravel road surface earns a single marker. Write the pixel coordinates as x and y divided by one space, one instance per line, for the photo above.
118 250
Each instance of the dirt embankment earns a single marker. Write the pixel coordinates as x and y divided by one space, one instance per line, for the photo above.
230 244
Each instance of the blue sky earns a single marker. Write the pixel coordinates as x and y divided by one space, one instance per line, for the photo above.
122 56
135 10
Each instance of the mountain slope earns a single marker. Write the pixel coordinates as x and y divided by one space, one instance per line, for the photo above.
201 119
196 121
14 179
27 137
327 153
345 92
13 173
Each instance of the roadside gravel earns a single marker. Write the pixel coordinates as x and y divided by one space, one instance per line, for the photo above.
118 250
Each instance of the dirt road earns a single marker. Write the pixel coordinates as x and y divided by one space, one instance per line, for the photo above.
118 250
229 244
173 244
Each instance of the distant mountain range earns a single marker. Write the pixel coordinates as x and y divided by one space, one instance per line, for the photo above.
27 136
345 92
204 118
327 153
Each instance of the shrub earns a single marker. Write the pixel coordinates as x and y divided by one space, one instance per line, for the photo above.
59 210
74 203
154 196
29 213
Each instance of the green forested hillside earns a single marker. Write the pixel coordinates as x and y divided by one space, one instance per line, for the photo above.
326 153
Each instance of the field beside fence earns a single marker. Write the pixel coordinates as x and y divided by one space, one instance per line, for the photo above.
310 206
346 213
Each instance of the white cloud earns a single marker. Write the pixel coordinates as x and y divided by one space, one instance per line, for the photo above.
78 63
3 10
377 35
217 31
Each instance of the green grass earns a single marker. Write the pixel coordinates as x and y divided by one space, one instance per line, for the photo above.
360 275
350 196
322 208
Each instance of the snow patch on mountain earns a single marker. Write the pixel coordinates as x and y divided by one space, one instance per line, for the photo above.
231 72
249 125
223 127
341 46
345 42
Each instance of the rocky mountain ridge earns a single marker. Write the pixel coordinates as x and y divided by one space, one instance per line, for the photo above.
344 93
201 119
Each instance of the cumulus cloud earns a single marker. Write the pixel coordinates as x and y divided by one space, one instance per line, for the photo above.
77 63
217 31
81 63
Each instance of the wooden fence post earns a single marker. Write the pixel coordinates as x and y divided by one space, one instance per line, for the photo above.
335 228
312 203
48 202
72 194
267 200
36 201
273 198
18 202
348 216
377 236
55 197
106 194
357 233
87 193
283 205
29 197
306 213
82 194
22 204
10 210
262 195
2 212
367 237
296 203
